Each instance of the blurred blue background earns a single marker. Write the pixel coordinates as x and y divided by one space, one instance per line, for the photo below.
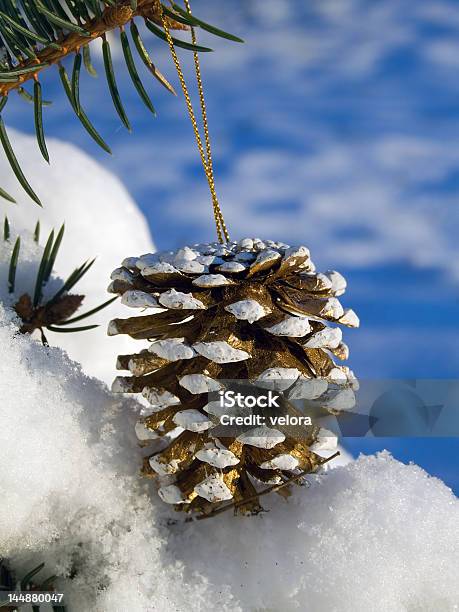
335 125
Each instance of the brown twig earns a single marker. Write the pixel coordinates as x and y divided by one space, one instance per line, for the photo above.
112 17
254 497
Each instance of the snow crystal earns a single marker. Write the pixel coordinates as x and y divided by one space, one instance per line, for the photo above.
172 350
120 385
278 378
139 299
330 337
281 462
297 252
144 433
326 441
199 383
190 267
129 262
161 468
193 420
171 494
337 375
247 310
295 327
246 244
159 268
231 267
211 280
266 256
208 260
349 318
180 300
220 352
213 489
262 437
308 388
121 274
112 329
338 282
332 308
159 398
185 254
218 457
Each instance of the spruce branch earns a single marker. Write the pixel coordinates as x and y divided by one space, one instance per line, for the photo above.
37 35
72 38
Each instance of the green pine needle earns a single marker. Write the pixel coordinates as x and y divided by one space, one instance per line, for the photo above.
177 42
15 165
72 280
111 81
6 229
198 22
143 54
13 265
5 195
28 27
36 233
69 330
134 74
25 582
28 98
20 71
76 82
42 270
175 16
5 79
59 21
85 122
89 312
53 255
38 114
28 33
87 61
88 126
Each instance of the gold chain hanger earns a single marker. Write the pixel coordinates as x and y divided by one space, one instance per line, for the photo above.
206 154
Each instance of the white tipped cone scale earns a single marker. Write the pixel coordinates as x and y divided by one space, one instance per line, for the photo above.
250 310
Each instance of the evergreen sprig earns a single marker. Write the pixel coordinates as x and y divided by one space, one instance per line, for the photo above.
54 313
37 35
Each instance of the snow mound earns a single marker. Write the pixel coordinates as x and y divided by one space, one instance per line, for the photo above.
102 221
374 535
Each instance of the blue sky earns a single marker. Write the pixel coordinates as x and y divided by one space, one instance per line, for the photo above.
335 125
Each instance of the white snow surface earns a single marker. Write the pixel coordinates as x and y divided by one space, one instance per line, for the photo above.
102 221
373 535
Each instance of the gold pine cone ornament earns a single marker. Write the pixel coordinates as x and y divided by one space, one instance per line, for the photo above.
251 310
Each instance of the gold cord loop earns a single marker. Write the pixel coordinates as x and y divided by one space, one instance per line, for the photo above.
206 155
